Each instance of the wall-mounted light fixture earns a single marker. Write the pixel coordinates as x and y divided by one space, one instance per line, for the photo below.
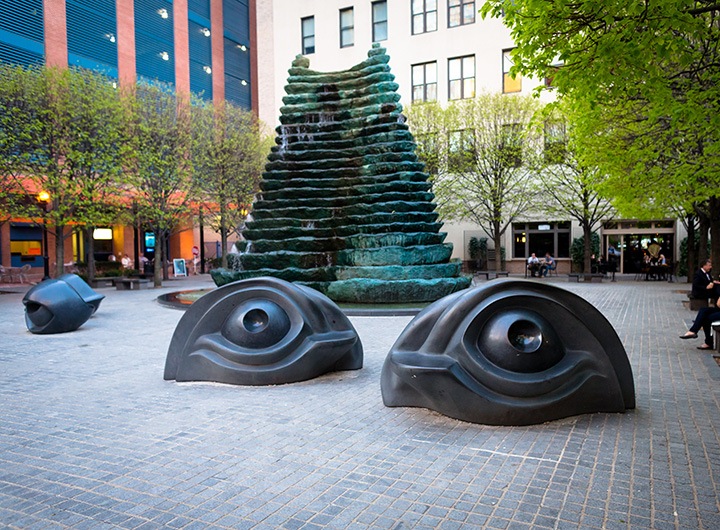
165 56
110 37
242 47
243 82
163 13
207 69
205 32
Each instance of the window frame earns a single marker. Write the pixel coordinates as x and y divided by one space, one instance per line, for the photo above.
344 29
377 23
425 84
424 15
464 7
307 49
463 79
508 83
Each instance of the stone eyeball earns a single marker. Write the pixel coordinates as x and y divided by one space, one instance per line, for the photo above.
262 331
509 353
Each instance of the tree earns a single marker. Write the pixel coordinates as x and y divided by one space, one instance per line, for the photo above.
485 149
571 185
66 139
227 157
161 171
644 79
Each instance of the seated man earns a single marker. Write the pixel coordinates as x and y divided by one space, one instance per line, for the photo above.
549 265
533 264
703 285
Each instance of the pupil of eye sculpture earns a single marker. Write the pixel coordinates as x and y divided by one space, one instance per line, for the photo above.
262 331
509 353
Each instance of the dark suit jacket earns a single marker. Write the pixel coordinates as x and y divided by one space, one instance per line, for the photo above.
699 285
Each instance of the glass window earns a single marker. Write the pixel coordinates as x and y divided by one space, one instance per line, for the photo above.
379 21
460 12
347 27
461 150
509 84
553 237
424 82
424 16
308 35
461 77
555 142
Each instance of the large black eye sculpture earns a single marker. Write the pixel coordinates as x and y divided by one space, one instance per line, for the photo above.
262 331
510 353
59 306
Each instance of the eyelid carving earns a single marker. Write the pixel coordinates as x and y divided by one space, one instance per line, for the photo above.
509 353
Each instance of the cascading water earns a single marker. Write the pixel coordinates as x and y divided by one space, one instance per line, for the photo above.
346 207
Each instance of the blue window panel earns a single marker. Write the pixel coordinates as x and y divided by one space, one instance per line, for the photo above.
21 32
236 20
200 60
237 61
237 93
201 7
91 34
154 40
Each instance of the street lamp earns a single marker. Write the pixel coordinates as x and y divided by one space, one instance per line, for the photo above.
44 199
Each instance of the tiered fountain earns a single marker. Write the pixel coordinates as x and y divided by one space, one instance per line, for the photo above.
345 206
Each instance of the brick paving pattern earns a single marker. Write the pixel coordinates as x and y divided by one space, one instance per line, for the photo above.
91 436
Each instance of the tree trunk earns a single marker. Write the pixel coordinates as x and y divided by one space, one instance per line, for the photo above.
89 253
158 260
59 250
223 242
703 238
714 219
587 253
497 241
691 250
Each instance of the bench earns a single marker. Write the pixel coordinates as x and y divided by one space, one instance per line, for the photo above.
132 284
697 303
103 282
716 334
488 273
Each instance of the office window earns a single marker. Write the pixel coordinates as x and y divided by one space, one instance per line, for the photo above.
460 12
461 150
308 35
555 141
461 77
379 21
424 82
549 236
424 16
347 27
509 84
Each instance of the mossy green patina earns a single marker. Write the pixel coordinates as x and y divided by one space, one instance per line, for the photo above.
345 206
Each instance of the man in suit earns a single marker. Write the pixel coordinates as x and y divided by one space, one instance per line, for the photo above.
703 286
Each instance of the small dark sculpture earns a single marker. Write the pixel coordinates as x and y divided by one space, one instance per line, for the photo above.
61 305
510 353
262 331
83 289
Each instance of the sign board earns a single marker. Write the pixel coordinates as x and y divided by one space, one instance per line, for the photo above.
179 267
195 251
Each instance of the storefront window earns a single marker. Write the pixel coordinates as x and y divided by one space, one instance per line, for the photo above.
541 237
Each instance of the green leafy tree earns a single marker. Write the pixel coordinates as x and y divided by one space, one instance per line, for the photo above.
228 154
644 80
484 150
571 186
161 174
66 139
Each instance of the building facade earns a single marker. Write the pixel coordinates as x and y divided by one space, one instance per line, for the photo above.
440 50
202 46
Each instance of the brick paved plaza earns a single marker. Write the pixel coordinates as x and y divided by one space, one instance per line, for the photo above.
91 436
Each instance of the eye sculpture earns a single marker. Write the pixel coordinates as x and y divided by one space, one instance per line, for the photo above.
59 306
510 353
262 331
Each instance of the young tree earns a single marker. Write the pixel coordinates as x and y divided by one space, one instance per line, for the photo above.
228 154
485 174
161 172
647 107
571 186
67 140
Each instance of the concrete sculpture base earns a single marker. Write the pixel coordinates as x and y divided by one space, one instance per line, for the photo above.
59 306
509 353
262 331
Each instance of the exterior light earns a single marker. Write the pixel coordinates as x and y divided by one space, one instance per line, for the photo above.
165 56
243 82
110 37
242 47
205 32
207 69
104 234
163 13
43 196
